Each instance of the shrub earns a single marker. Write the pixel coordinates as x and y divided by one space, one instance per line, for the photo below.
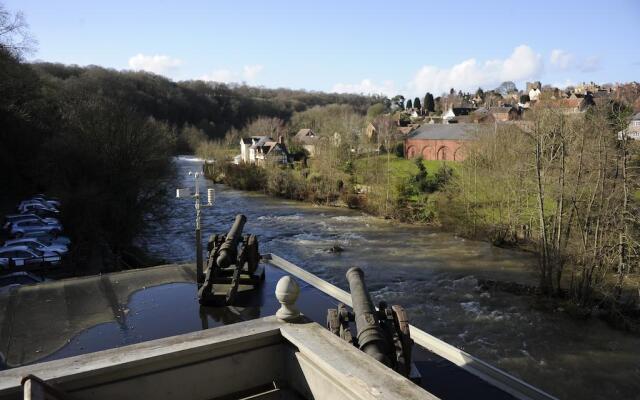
244 176
399 149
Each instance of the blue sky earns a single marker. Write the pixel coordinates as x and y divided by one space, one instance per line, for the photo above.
373 47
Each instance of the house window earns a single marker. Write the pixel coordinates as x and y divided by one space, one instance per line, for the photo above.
636 123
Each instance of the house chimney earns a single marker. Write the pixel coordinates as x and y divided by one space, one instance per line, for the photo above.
281 139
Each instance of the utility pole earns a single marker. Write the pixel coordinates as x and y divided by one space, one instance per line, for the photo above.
210 200
199 268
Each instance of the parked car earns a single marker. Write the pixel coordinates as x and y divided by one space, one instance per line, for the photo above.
47 238
15 279
34 243
10 219
19 256
19 228
25 205
39 209
48 200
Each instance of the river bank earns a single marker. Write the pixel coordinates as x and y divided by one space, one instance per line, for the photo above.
427 210
293 185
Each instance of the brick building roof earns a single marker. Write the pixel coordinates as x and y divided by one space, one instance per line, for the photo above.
460 131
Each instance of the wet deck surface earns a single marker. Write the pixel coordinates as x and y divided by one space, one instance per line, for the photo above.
76 316
83 315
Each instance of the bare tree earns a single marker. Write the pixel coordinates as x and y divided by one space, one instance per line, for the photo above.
14 33
265 126
573 179
386 133
628 245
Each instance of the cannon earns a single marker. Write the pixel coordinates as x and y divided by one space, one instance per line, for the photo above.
382 333
233 260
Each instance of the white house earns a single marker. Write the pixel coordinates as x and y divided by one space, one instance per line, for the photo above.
633 131
454 112
534 94
245 144
260 149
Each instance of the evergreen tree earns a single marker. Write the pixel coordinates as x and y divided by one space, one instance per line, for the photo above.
421 181
429 103
409 105
416 103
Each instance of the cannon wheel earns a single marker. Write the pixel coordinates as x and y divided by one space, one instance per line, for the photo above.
253 254
404 343
213 241
333 323
233 290
401 320
345 333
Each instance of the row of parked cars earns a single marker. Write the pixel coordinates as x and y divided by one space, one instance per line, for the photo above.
34 235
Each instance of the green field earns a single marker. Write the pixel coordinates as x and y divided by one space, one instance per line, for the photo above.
402 168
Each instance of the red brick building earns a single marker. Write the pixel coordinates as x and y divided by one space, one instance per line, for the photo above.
439 141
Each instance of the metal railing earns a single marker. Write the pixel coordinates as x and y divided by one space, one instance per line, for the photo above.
487 372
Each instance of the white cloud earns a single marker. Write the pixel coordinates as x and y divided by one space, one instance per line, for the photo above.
563 85
251 71
158 64
561 59
590 64
366 86
564 60
249 74
522 64
218 75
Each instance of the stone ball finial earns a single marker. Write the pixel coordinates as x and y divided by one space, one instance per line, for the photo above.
287 291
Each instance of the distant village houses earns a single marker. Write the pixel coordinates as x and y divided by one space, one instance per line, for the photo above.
573 105
442 132
486 115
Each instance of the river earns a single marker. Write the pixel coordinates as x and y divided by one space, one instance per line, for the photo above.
434 275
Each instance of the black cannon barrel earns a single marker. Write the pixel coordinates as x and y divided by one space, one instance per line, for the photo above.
371 338
228 249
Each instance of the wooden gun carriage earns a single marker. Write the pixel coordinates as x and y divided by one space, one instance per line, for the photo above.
233 264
